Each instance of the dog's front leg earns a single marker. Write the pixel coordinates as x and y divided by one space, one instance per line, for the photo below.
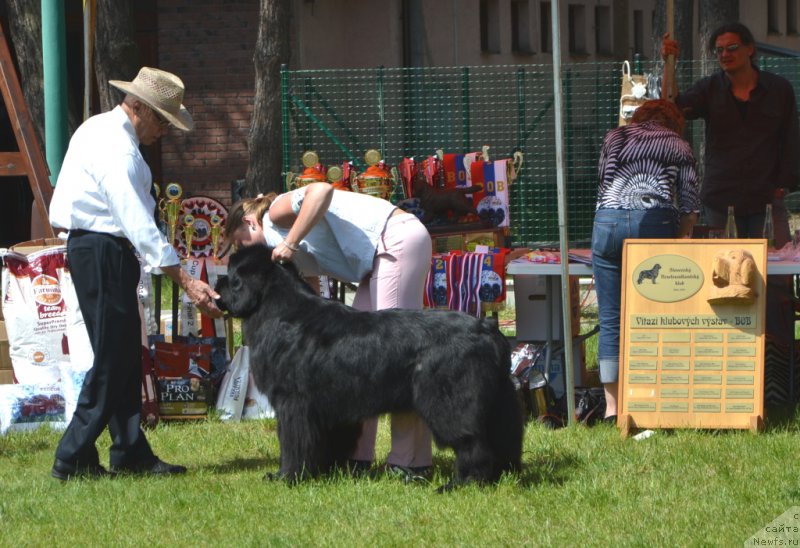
301 441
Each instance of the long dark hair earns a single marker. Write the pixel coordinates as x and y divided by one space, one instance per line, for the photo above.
738 29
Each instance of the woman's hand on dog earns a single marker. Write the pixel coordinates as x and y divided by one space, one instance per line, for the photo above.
282 253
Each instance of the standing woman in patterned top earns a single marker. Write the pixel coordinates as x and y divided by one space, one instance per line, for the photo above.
647 188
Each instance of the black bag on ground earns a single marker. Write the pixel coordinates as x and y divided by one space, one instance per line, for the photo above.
590 405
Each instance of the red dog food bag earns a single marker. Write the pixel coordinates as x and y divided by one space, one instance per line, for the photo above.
35 312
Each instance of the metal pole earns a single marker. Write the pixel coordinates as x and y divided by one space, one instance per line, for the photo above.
569 381
285 135
669 68
88 45
54 63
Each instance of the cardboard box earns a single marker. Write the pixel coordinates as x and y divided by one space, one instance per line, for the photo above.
6 376
31 246
5 358
533 307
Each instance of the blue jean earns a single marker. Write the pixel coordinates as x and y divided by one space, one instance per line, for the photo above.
611 228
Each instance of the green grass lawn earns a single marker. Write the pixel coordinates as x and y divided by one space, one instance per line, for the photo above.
580 487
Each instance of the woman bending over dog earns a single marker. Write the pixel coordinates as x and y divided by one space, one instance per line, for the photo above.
353 238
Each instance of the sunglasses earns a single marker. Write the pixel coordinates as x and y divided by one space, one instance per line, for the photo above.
163 122
730 49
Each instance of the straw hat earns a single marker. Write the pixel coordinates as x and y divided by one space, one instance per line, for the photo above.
162 91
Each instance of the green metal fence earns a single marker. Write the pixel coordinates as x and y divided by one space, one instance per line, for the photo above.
406 112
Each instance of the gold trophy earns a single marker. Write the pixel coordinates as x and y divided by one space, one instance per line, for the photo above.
216 231
161 205
188 232
377 180
313 172
173 198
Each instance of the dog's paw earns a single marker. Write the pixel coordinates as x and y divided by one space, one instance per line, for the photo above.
274 476
447 487
289 479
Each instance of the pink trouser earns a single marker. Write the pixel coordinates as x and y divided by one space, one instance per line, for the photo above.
401 264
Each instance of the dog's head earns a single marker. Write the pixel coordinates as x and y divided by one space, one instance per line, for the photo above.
250 271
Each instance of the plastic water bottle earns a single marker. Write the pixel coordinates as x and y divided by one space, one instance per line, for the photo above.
769 229
730 225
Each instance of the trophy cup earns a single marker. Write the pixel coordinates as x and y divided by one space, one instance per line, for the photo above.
161 206
173 198
188 233
216 230
314 172
377 180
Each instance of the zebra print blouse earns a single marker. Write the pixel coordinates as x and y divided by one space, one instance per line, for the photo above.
646 166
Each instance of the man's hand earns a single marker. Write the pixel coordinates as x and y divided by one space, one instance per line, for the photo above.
202 296
669 47
199 292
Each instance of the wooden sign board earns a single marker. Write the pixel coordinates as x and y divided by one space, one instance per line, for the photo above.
692 334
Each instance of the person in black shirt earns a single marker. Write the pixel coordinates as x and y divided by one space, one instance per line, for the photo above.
751 157
751 135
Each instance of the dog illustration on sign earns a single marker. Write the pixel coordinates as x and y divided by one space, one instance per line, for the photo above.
650 274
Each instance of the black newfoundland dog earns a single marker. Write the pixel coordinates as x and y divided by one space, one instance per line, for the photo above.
325 367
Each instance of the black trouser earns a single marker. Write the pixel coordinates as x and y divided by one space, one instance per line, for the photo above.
105 273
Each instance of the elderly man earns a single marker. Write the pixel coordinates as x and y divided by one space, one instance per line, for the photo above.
103 199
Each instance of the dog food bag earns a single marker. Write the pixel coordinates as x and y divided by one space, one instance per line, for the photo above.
233 390
81 355
29 406
149 413
35 313
183 398
183 359
71 385
256 403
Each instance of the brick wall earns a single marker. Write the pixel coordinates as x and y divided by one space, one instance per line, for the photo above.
209 44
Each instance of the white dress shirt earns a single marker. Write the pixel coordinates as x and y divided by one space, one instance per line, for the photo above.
104 186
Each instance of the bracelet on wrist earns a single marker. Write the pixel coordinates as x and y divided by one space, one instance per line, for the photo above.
290 246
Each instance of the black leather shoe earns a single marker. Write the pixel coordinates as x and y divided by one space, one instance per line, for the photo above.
64 471
155 467
409 474
611 419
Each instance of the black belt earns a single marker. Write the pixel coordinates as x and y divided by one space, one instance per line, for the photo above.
81 232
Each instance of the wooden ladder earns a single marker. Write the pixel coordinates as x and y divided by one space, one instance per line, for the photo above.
29 161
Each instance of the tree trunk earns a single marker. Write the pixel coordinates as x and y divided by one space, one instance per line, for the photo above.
25 20
264 142
683 25
623 49
711 15
116 56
